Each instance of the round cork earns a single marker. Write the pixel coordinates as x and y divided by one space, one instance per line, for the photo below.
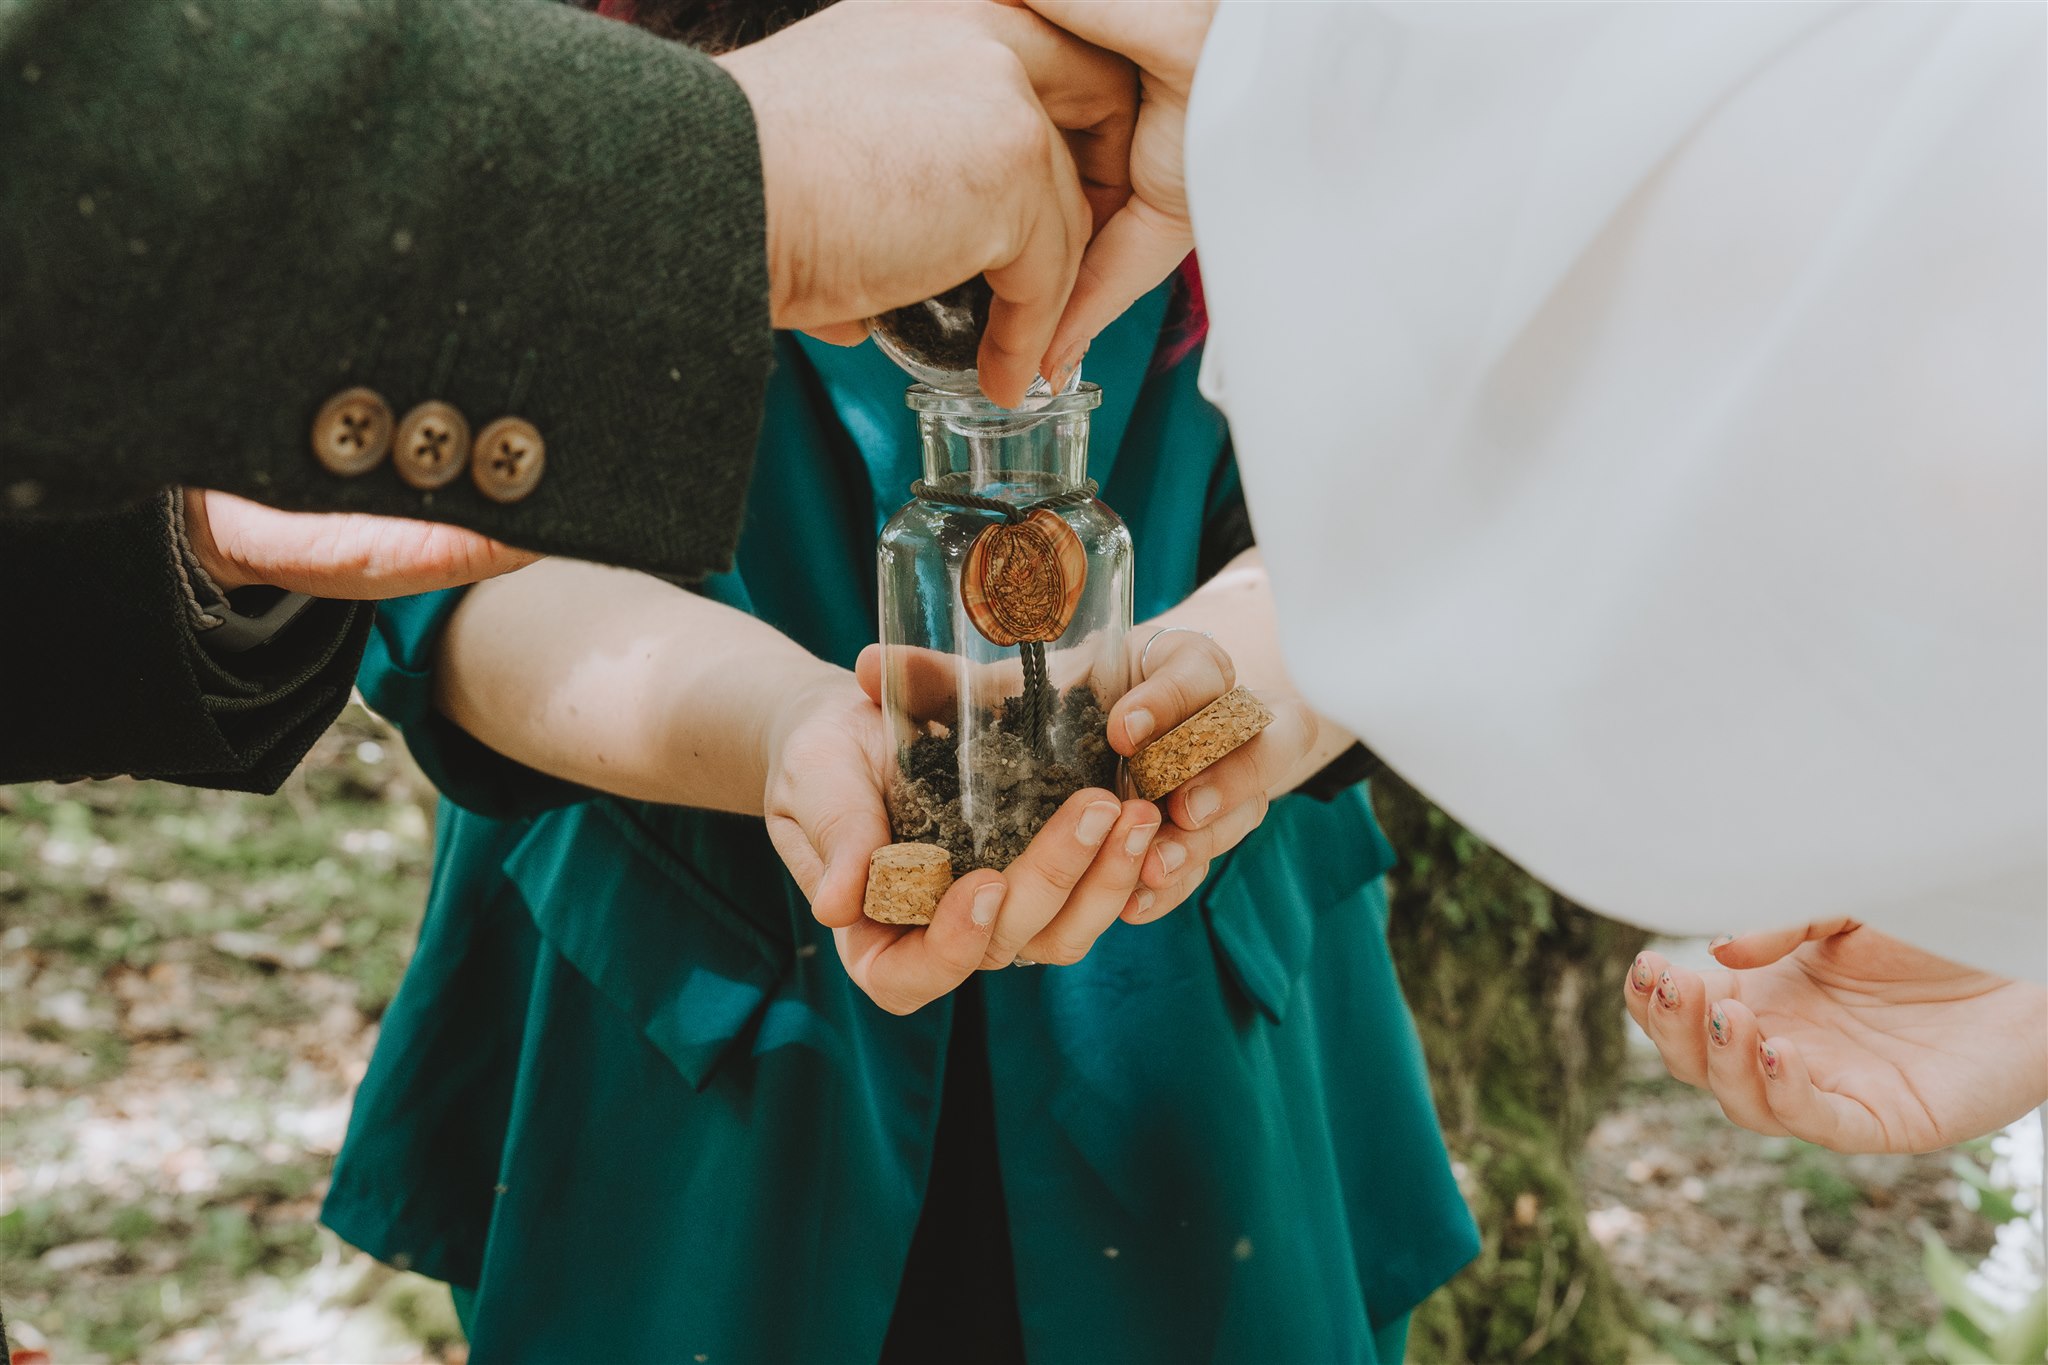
906 882
1232 719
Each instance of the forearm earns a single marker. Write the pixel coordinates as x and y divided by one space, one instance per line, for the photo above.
1236 608
623 683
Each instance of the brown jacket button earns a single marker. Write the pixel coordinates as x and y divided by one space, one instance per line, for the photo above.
510 456
432 445
352 431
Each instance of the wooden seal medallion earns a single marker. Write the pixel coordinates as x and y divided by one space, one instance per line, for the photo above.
1023 582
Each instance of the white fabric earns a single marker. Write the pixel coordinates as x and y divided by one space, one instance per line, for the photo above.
1642 414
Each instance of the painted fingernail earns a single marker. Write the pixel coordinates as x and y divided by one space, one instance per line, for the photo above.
1202 803
1717 1026
1138 724
987 902
1667 991
1171 856
1095 823
1139 839
1769 1056
1717 944
1145 900
1639 978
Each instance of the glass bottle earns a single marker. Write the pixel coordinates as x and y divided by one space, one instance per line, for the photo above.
1005 590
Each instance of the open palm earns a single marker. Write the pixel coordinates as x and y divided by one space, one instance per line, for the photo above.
1849 1038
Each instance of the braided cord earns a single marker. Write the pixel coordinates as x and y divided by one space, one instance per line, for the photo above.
1038 699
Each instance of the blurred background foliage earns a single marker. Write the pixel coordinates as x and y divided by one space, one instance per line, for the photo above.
190 984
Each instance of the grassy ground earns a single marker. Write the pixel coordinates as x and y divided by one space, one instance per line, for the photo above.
190 984
1746 1248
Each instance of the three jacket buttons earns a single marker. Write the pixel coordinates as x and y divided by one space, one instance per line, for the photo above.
354 431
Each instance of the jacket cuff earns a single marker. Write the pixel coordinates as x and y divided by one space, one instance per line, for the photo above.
119 683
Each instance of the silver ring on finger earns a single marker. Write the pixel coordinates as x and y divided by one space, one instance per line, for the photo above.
1022 962
1146 653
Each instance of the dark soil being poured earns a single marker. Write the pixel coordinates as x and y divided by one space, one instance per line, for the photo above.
1016 790
943 332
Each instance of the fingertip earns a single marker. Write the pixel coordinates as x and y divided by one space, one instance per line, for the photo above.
839 333
841 892
1725 1027
981 892
1775 1057
867 672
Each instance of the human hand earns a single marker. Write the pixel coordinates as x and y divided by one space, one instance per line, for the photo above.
828 756
1078 874
908 147
1151 233
1848 1038
347 555
1214 810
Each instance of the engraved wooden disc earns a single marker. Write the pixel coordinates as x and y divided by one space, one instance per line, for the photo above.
1023 582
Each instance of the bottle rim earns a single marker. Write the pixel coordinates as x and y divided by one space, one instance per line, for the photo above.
972 406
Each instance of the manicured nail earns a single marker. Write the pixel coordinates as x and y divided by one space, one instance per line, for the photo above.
1667 991
1145 900
1716 945
1639 978
1171 856
1202 803
1138 725
1139 839
1717 1025
987 902
1769 1055
1095 822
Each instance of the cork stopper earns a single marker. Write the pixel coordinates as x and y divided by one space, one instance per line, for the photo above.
906 882
1232 719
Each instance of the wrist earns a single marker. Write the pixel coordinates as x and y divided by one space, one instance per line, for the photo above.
749 72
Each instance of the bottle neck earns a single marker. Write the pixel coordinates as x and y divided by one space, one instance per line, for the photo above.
973 446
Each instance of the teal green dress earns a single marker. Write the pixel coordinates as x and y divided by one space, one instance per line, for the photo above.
627 1095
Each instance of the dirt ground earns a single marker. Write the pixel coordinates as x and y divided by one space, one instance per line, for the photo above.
190 984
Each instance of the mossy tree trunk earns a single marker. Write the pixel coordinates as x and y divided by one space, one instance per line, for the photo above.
1517 993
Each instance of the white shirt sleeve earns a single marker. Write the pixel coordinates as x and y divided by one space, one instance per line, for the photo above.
1641 410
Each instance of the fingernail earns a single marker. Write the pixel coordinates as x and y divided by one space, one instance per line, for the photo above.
1139 839
1667 991
1171 856
1717 1025
1717 944
1145 901
1138 725
1063 373
1202 803
987 902
1769 1055
1640 977
1095 822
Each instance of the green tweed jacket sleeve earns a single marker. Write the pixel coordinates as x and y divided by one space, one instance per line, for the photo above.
217 215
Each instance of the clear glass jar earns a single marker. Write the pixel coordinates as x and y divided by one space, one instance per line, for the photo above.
1005 599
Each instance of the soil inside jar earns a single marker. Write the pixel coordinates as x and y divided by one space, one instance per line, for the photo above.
1017 790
